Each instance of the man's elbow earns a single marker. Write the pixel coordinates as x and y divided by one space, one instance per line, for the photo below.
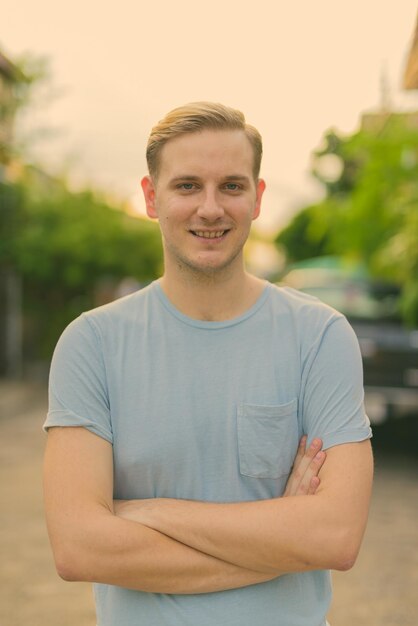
74 561
67 572
67 565
345 552
345 562
77 547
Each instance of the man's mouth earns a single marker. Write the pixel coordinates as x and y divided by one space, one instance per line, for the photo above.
209 234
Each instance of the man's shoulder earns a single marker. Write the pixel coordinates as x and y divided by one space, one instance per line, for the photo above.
303 316
124 308
300 305
110 320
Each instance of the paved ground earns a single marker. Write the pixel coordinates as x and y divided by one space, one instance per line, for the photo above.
382 589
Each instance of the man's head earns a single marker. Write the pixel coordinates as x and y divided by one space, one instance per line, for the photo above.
196 117
203 187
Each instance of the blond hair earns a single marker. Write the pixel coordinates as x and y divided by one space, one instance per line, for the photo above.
193 118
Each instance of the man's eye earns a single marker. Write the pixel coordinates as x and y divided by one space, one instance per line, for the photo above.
186 186
232 186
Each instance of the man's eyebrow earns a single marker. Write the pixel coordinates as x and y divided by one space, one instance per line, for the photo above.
238 177
178 179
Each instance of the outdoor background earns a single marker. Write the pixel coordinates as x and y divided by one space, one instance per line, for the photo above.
333 88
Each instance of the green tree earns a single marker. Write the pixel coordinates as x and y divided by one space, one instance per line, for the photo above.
62 245
370 210
58 245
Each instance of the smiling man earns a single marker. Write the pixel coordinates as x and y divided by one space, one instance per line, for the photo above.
205 197
173 475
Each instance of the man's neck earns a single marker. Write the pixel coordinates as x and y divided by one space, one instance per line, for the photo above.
212 298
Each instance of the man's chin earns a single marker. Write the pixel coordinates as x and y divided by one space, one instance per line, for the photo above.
210 268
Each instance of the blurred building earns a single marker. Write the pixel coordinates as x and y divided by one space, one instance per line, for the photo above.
375 121
11 81
411 71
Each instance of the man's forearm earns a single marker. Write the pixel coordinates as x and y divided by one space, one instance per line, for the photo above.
291 534
128 554
242 533
230 532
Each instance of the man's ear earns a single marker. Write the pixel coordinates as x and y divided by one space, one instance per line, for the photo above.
261 185
148 188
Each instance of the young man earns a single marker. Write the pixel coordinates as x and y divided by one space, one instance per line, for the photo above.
186 402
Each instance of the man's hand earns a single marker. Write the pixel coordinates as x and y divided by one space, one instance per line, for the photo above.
304 479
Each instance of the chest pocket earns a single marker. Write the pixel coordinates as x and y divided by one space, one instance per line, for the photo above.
267 439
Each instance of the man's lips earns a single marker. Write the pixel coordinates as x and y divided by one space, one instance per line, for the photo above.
209 234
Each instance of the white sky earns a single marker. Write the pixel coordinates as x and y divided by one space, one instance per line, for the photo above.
294 68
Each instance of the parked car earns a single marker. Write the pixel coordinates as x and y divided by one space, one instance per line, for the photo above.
389 349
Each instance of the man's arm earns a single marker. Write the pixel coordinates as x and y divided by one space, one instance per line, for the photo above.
290 534
91 544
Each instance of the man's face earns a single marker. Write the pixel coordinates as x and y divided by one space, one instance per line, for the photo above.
205 198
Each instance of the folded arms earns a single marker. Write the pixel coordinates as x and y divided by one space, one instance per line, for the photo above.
178 546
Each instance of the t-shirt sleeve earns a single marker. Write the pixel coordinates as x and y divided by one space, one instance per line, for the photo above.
332 388
77 383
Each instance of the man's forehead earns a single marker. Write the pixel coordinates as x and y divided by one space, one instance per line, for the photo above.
197 149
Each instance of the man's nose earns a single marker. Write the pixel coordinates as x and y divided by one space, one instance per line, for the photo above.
210 207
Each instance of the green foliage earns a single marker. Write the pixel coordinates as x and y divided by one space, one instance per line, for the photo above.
304 238
11 202
370 212
74 239
64 245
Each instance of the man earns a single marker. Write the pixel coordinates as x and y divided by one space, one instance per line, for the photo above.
186 402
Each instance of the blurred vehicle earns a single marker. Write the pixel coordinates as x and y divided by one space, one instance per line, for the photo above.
389 350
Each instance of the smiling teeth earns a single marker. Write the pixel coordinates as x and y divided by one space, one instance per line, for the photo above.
209 235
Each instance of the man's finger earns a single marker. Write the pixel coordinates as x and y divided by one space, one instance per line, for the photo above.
311 473
295 477
313 485
301 451
311 452
306 465
304 460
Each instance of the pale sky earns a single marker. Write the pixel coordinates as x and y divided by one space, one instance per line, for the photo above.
294 68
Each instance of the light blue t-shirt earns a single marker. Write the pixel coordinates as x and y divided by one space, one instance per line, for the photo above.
210 411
